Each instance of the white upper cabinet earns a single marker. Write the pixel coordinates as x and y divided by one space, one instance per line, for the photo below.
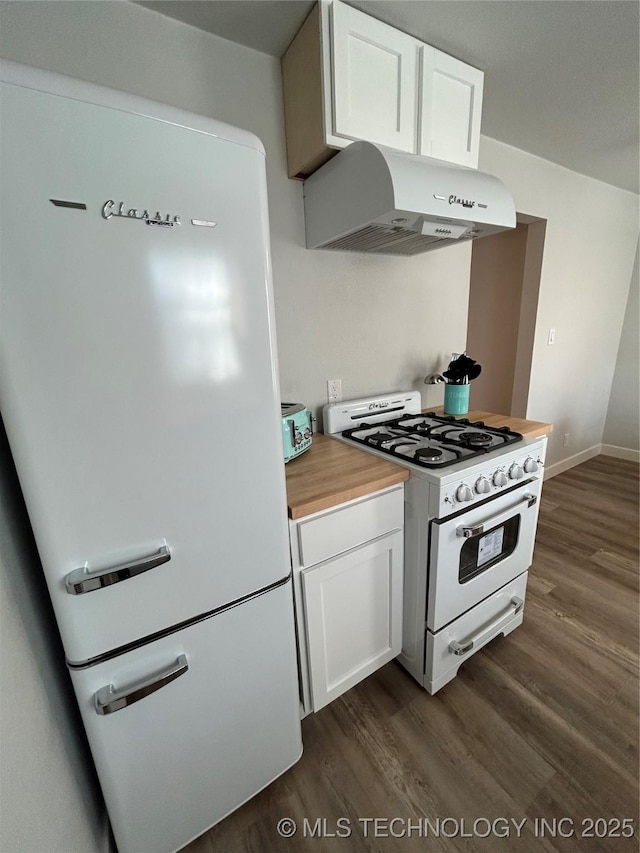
451 106
374 80
348 76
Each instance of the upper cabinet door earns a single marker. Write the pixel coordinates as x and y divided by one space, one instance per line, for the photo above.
374 77
451 108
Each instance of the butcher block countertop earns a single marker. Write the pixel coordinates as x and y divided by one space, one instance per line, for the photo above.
332 472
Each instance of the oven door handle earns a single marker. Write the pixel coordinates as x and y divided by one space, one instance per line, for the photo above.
462 648
479 529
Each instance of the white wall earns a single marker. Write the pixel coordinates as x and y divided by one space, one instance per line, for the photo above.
590 241
622 428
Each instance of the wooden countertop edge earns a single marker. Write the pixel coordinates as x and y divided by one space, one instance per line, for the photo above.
332 472
326 501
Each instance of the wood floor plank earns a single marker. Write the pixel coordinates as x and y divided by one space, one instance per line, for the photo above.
541 724
562 797
619 570
552 734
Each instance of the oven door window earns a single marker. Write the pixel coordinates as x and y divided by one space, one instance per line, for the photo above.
480 553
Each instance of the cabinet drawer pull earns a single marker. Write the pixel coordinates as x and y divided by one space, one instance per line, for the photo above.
462 648
81 580
107 701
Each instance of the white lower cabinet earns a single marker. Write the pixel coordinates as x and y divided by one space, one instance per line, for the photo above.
353 610
349 604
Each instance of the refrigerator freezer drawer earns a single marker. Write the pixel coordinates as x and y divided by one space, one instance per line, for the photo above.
186 750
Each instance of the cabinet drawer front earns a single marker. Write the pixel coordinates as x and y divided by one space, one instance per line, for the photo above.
324 536
353 610
374 80
473 630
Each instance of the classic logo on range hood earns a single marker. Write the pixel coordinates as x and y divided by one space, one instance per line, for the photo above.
465 202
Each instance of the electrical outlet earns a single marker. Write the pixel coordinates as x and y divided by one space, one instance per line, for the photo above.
551 339
334 390
567 439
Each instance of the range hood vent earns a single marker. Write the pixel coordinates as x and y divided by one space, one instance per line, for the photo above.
384 240
376 200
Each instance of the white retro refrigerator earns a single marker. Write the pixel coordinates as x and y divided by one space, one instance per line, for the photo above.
139 391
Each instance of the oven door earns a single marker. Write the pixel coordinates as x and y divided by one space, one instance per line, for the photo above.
474 553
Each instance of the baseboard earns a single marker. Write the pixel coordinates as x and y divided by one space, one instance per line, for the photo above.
572 461
621 452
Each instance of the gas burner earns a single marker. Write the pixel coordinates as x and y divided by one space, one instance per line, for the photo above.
378 438
427 454
422 427
475 439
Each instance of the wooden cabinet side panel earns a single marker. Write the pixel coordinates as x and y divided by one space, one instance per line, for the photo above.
302 95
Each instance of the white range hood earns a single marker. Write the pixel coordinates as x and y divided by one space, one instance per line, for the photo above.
373 199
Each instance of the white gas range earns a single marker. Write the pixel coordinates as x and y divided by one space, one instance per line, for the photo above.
471 509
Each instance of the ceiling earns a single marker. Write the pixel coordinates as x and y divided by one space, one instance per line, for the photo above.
561 76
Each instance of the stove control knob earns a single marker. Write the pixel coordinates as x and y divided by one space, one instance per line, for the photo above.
482 486
500 479
464 493
515 472
530 465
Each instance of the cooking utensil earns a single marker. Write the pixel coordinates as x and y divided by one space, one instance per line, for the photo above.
462 370
474 372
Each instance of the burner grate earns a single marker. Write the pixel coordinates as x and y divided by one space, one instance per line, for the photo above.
430 440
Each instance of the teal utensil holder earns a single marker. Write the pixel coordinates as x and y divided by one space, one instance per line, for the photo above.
456 399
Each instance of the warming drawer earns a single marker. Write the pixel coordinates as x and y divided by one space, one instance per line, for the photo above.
498 614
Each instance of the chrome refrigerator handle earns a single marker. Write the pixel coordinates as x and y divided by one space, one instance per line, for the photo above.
80 580
107 700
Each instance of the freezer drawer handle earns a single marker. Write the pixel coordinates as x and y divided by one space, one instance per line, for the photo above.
80 580
463 648
479 529
107 700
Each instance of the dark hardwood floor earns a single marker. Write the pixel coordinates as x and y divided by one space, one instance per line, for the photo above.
542 724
